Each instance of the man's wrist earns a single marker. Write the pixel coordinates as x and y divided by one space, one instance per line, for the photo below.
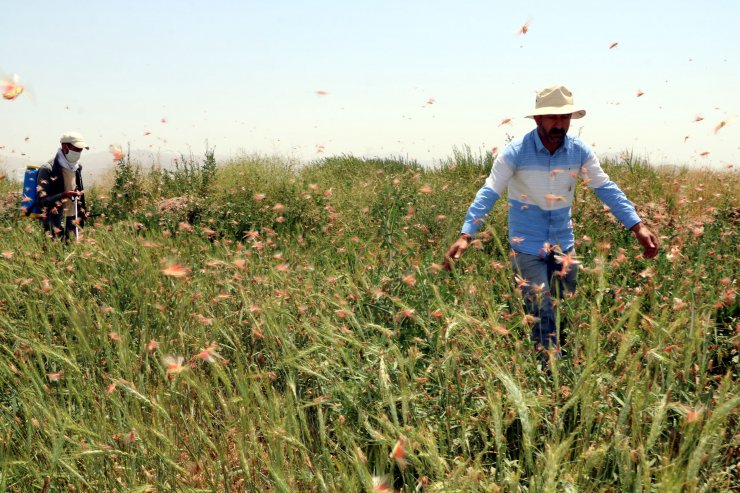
466 236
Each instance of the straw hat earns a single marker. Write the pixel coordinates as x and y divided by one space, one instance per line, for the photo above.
556 100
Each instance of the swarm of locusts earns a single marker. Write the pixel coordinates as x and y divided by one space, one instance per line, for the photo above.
290 329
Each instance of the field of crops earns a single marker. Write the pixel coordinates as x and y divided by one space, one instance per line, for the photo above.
261 327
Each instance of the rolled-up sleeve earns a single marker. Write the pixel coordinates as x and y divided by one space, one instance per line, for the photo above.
489 193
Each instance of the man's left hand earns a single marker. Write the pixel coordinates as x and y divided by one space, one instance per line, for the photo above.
647 239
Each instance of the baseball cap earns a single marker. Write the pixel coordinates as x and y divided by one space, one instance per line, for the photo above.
74 138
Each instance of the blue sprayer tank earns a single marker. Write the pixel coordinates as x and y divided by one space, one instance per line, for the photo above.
29 198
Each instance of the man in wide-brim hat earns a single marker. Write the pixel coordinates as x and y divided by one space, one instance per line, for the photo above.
540 170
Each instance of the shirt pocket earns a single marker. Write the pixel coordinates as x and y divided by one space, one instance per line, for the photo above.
563 180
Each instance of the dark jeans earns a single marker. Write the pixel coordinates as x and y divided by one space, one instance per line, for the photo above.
64 233
544 278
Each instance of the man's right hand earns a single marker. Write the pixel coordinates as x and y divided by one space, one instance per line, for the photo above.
457 249
70 194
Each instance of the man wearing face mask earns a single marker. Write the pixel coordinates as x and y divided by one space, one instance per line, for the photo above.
60 189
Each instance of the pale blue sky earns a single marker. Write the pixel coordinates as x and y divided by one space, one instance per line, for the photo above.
244 75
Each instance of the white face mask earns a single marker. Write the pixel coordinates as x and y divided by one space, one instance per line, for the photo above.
73 156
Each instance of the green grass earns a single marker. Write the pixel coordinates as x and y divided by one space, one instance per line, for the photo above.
332 334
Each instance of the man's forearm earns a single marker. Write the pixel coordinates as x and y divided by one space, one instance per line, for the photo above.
484 201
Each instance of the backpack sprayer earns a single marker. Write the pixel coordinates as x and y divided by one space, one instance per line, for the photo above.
29 205
30 201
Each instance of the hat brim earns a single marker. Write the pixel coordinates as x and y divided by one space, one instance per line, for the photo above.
79 144
559 110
